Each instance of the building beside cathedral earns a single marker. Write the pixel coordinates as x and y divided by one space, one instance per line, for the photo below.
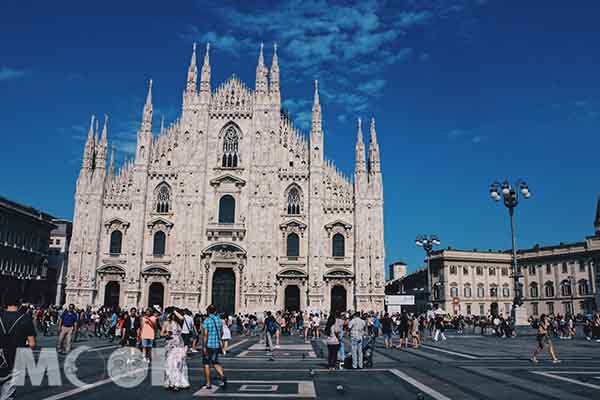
230 205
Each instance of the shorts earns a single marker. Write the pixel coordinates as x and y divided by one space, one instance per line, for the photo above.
211 357
387 336
187 339
541 339
147 343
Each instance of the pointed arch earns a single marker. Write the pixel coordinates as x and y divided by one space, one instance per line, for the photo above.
294 202
162 198
231 135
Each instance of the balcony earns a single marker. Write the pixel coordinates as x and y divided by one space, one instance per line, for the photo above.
229 232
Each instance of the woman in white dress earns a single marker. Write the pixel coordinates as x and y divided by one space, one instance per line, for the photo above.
176 371
226 334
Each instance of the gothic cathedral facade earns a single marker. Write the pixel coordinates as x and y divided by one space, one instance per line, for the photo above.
229 205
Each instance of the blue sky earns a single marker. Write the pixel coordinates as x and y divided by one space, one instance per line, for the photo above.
464 92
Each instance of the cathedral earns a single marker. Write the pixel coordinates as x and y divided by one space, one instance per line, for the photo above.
228 205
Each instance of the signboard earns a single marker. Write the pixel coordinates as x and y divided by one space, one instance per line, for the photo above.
394 309
400 300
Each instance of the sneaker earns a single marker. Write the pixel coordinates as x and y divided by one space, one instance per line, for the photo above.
556 361
534 360
207 387
277 346
223 382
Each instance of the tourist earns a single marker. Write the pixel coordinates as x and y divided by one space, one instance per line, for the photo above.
213 332
187 330
306 322
332 331
16 330
341 325
440 327
357 331
386 330
130 330
414 331
403 330
226 334
269 330
543 337
176 372
66 329
148 333
316 324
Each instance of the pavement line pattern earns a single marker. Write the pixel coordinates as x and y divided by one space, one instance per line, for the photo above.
422 387
454 353
89 386
306 389
555 375
233 346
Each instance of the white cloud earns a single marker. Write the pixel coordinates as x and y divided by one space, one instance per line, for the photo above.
7 73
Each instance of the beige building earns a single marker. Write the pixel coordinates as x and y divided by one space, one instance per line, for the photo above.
556 279
231 205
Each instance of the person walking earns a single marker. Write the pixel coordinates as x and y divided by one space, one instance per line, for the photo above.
357 328
226 334
213 332
270 329
386 330
148 333
176 371
543 337
333 341
16 330
66 328
439 328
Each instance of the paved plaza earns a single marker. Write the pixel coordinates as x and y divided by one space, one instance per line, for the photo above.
463 367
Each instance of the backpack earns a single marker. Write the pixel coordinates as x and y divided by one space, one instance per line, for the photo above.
271 326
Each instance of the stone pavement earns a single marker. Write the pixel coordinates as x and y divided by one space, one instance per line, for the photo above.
465 367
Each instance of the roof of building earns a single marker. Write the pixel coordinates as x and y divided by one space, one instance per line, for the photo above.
26 210
64 227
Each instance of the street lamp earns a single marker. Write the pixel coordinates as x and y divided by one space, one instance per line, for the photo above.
427 242
510 195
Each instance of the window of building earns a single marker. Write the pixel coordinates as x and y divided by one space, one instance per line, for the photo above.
230 148
505 291
465 270
565 288
163 199
550 308
338 244
453 270
467 290
492 271
549 289
581 266
454 291
57 241
494 291
534 290
480 291
116 239
531 269
504 271
227 210
567 308
293 245
565 268
548 269
583 287
481 309
158 248
293 202
479 271
535 309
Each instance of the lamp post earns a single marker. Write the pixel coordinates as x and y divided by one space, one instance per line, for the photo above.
427 242
510 195
571 292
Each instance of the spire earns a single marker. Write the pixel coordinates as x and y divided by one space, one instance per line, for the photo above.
88 149
316 111
275 77
192 75
261 86
103 140
374 160
205 75
147 115
162 123
359 163
111 165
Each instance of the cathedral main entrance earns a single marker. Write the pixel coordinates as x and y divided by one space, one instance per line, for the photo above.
112 293
223 290
292 298
156 295
338 299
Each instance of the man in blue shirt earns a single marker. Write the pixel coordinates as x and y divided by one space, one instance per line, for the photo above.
66 326
213 332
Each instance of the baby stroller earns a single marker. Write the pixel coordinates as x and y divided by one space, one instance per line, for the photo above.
368 350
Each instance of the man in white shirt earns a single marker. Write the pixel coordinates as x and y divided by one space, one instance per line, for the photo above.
357 330
317 325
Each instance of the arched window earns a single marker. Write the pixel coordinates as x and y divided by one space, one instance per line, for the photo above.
549 289
565 288
492 271
158 248
293 245
467 290
533 290
116 240
583 287
453 290
230 148
338 244
479 271
293 202
494 291
227 210
163 199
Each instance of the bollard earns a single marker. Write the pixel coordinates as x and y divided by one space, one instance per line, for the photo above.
339 388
